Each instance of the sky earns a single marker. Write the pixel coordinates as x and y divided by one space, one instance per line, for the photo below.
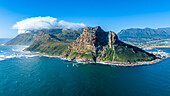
113 15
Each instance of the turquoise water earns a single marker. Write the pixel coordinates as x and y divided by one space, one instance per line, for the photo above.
28 74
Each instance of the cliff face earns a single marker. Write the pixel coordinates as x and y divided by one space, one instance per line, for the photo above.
113 39
94 39
90 39
96 45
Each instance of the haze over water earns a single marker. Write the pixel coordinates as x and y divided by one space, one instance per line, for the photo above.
24 73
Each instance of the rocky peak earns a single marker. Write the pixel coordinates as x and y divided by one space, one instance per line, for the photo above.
94 38
96 29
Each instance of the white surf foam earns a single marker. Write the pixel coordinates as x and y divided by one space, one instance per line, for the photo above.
16 52
4 57
148 48
1 59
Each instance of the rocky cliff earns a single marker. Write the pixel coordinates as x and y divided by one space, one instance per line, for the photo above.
96 45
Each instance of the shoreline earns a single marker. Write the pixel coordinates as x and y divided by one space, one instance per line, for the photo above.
112 63
158 46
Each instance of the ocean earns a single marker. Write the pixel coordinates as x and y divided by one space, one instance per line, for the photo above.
29 74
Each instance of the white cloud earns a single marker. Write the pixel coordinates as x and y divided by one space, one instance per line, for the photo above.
69 25
37 23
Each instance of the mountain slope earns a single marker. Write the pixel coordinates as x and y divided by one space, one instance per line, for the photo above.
54 43
23 39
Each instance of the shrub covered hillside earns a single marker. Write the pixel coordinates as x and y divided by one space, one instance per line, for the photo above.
23 39
54 43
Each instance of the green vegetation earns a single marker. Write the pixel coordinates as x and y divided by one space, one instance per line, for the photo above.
108 55
132 54
54 42
50 48
82 55
125 53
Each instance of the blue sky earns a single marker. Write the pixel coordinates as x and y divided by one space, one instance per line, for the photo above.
109 14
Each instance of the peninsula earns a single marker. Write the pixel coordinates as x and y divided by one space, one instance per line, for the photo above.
89 45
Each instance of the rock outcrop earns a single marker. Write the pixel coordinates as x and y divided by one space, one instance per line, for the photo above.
113 39
90 39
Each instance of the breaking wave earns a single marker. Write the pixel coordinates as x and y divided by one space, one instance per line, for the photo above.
8 52
4 57
148 48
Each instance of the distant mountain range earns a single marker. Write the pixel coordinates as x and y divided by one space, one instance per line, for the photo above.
146 37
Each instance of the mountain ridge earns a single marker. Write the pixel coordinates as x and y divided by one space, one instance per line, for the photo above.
29 38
